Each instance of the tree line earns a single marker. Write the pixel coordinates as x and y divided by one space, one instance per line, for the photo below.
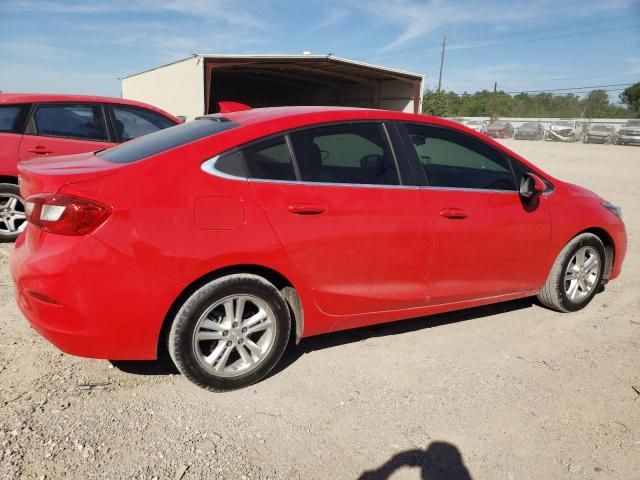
596 104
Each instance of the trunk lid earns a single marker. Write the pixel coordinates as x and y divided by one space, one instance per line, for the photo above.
48 175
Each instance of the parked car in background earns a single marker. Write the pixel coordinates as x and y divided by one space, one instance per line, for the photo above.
222 238
629 133
600 134
500 130
530 131
44 125
564 130
477 125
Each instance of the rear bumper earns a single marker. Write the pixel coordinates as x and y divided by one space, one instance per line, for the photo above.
87 299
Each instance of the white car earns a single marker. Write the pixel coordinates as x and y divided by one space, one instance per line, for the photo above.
564 130
477 125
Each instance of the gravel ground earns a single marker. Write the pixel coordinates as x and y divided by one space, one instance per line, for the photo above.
512 391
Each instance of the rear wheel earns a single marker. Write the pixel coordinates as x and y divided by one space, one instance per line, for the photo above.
12 215
576 274
230 333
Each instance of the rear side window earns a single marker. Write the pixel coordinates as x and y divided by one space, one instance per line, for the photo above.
270 160
132 122
355 153
452 159
12 118
84 122
167 139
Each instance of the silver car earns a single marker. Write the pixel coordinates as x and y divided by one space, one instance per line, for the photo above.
629 133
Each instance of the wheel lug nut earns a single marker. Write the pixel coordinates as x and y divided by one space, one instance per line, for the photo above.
244 330
240 341
235 325
229 343
225 333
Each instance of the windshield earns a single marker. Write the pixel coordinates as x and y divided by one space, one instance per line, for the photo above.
564 124
601 128
529 125
162 140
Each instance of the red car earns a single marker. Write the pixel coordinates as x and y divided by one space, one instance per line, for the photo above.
222 238
44 125
500 130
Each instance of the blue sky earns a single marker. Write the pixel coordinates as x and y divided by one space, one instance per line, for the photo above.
85 46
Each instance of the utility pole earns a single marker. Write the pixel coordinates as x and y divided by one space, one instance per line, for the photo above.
444 44
493 102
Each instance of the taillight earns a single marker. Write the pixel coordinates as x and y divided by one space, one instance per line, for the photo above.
65 214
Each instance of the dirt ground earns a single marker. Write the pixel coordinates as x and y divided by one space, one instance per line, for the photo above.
512 391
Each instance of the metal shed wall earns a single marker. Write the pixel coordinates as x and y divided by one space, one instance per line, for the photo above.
177 88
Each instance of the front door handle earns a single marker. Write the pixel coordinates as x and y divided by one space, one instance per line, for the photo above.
454 213
40 150
306 209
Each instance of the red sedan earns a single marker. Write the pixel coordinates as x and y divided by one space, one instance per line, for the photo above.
222 238
36 125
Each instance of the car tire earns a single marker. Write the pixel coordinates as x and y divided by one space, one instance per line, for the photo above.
573 281
12 216
197 336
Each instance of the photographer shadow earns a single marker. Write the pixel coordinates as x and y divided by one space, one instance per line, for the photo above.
440 461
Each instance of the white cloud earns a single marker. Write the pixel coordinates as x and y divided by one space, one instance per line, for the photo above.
416 19
333 17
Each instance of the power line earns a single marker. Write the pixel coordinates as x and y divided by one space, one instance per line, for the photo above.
592 87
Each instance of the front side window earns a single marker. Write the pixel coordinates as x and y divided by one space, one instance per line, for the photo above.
132 122
453 159
270 160
11 117
84 122
355 153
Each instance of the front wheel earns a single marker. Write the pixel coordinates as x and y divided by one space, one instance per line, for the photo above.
230 333
13 218
576 274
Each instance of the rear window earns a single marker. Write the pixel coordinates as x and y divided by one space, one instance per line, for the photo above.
166 139
12 117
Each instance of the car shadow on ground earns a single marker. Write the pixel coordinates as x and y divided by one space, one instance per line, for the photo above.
440 461
330 340
164 365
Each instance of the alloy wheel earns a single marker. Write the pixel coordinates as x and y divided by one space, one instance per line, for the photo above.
581 274
13 218
234 335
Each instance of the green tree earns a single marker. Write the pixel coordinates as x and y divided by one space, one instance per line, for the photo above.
631 98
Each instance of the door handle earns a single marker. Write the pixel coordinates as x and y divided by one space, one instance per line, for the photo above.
306 209
40 150
454 213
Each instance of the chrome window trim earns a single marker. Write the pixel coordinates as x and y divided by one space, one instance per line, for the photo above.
209 166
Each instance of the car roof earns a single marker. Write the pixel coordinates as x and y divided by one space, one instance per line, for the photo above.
11 98
288 116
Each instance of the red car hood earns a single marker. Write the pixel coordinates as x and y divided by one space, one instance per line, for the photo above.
50 174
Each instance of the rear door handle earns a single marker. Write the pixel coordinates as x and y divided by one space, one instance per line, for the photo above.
40 150
454 213
306 209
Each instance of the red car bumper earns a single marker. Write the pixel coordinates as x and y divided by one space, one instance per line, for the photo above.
87 299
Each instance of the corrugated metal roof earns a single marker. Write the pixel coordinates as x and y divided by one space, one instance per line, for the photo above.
311 59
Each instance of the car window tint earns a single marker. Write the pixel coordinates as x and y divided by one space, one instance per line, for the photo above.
453 159
85 122
231 163
355 153
11 117
156 142
270 160
132 122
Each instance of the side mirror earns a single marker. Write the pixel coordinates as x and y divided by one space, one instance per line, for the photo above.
531 186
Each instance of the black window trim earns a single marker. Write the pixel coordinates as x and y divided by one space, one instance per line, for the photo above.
209 165
31 130
412 156
23 117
